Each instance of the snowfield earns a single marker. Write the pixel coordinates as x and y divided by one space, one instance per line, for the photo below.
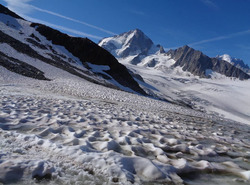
219 95
71 131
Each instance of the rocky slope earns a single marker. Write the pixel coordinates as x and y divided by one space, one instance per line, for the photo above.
43 43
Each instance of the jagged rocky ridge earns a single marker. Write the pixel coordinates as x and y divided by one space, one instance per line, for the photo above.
6 11
197 63
82 48
235 61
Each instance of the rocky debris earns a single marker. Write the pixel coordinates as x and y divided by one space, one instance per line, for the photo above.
20 67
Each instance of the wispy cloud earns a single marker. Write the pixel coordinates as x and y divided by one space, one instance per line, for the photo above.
223 37
210 4
137 12
73 31
74 20
22 7
229 36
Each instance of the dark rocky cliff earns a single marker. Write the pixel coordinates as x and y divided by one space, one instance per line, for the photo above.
88 51
6 11
197 63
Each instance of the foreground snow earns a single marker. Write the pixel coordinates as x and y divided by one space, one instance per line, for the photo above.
70 131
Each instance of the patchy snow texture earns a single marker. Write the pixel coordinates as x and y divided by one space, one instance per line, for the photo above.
71 131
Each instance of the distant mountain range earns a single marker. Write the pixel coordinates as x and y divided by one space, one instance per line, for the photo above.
136 47
184 76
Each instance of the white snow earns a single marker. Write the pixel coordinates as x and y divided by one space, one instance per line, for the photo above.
227 58
218 95
228 97
70 130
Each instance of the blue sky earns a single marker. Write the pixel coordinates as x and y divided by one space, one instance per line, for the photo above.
214 27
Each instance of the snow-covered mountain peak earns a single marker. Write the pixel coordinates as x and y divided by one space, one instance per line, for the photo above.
234 61
225 57
130 43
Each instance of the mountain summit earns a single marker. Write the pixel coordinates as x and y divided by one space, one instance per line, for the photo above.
130 43
133 45
235 61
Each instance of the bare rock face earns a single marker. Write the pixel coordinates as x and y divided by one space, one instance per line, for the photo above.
228 69
20 67
197 63
139 42
191 60
235 61
6 11
88 51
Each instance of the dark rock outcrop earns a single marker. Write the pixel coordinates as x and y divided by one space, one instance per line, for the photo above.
228 69
57 62
138 42
83 48
20 67
88 51
197 63
6 11
235 61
